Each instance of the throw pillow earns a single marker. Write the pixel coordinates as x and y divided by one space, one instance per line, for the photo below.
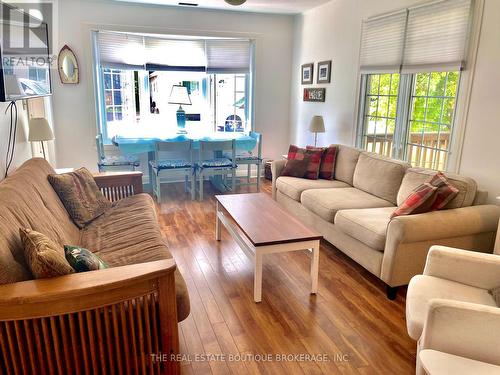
296 168
80 195
445 193
495 292
313 160
419 201
83 260
44 257
327 168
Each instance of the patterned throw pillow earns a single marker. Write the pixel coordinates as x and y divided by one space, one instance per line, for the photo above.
419 201
327 168
44 257
80 195
445 193
83 260
313 158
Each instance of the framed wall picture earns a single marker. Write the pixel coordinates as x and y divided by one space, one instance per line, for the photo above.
315 95
307 74
324 72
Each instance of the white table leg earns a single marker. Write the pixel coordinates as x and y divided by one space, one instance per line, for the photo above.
257 282
315 269
217 223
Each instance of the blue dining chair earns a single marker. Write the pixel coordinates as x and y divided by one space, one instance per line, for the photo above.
250 158
162 167
118 161
217 166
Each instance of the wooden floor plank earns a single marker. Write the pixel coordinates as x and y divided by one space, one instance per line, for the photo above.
350 320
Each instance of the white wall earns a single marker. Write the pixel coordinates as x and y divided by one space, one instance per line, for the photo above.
333 31
481 151
23 147
74 108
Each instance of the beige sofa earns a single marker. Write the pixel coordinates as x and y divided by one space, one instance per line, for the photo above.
353 213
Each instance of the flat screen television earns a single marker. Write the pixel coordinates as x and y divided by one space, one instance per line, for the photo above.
25 56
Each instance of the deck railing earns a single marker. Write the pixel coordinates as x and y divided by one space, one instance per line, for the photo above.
427 150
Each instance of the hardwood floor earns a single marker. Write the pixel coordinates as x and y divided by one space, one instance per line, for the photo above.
350 320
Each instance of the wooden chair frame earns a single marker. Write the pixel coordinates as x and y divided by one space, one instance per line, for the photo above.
113 321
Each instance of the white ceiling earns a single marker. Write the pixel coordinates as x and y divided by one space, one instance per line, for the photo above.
261 6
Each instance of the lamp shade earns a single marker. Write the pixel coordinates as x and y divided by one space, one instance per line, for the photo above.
40 130
317 125
179 95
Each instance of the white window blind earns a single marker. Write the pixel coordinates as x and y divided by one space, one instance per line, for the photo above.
121 50
430 37
228 56
175 54
436 37
382 43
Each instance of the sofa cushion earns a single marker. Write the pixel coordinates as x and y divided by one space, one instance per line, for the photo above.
419 201
45 258
326 202
300 157
416 176
379 175
27 200
293 186
83 260
347 158
423 288
327 168
366 225
80 195
128 233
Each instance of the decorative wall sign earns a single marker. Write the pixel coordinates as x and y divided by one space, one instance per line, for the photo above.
307 74
314 95
324 72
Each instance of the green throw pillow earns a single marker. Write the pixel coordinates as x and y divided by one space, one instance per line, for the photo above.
83 260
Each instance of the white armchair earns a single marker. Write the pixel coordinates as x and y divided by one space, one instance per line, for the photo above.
449 309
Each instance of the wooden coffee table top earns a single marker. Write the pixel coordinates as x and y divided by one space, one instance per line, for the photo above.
263 221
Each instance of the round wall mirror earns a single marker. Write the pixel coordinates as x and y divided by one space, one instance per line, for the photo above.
68 66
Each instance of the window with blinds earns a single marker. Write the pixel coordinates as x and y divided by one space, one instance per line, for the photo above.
134 51
424 50
135 74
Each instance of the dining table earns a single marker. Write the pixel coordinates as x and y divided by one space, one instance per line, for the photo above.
134 145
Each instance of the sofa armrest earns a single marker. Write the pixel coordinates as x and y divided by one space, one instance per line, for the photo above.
445 224
409 238
277 167
131 308
119 185
462 266
464 329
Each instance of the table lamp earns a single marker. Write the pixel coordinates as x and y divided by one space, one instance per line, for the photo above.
180 95
40 131
317 126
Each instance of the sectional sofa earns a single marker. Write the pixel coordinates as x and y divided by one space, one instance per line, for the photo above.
353 212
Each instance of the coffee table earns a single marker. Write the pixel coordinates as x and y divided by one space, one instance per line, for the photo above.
260 226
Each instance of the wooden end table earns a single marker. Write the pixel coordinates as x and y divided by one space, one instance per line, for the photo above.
260 226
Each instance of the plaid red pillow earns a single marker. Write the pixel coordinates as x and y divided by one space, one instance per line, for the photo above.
314 160
419 201
327 168
446 192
